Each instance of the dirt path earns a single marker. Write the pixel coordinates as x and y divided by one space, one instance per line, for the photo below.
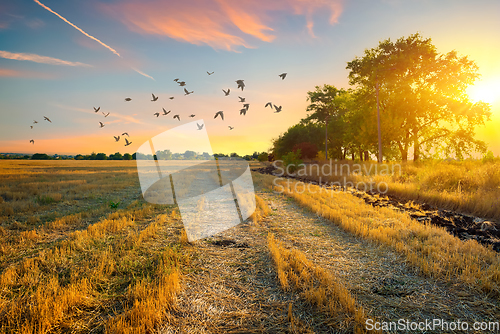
233 289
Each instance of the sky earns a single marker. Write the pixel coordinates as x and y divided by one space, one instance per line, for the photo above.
60 59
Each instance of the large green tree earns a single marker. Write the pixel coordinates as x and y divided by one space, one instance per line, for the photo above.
422 94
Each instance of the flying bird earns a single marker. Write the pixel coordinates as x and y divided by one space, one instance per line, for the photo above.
181 83
246 106
32 141
31 126
177 116
165 112
242 99
125 133
117 138
186 91
127 142
269 104
192 115
230 127
243 111
156 114
171 97
200 126
240 84
128 99
34 122
278 109
176 79
210 73
97 109
282 76
106 115
221 113
154 98
102 125
47 119
226 92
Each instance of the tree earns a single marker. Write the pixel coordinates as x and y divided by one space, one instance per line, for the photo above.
422 94
101 156
40 156
306 130
127 156
116 156
190 155
307 150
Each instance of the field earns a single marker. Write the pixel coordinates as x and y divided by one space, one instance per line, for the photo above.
81 251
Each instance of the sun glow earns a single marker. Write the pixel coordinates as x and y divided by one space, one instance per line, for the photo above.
486 91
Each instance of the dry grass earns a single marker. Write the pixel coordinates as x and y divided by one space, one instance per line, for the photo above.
319 287
471 187
430 249
112 262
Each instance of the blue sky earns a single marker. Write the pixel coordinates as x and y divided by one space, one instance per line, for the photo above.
159 41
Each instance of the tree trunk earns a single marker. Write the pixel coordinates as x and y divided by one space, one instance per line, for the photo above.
353 157
416 150
404 152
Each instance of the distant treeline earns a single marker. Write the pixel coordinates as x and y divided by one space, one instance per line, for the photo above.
161 155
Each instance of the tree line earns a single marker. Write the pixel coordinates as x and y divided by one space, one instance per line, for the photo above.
422 100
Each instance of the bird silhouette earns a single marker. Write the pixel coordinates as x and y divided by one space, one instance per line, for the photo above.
192 115
242 99
200 126
177 116
31 126
47 119
32 141
181 83
156 114
243 111
97 110
165 112
117 138
102 125
106 115
128 99
246 106
278 109
127 142
230 127
154 98
34 122
226 92
171 97
186 91
125 133
176 79
241 84
210 73
282 76
219 113
269 104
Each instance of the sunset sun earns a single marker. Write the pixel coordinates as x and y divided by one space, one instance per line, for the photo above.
487 91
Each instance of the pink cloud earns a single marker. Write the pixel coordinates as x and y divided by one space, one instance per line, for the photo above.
221 24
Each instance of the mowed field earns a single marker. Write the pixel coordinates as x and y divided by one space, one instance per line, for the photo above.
81 251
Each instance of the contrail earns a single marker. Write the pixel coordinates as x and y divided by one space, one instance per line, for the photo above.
80 30
39 59
142 73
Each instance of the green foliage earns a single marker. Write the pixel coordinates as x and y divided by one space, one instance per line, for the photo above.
113 205
306 130
40 156
264 156
488 157
292 160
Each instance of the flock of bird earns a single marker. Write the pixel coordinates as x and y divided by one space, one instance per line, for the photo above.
243 111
